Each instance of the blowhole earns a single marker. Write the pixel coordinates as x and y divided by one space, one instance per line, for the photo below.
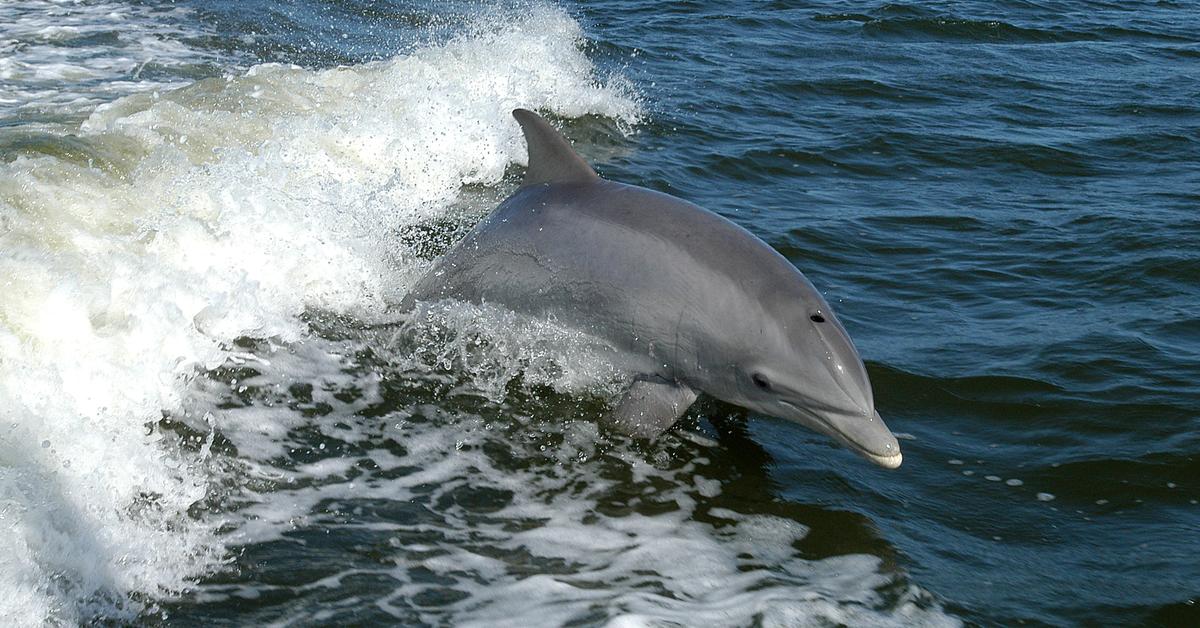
817 318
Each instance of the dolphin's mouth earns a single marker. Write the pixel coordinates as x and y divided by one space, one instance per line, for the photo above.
889 458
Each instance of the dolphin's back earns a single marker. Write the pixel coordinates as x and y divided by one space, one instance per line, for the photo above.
619 261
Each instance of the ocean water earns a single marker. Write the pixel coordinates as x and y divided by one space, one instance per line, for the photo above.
211 413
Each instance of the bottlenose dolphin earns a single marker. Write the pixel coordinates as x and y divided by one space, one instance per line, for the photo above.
693 302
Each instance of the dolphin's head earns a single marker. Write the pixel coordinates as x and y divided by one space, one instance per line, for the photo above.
803 367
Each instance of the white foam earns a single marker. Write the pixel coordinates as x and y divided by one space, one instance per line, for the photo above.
227 208
666 566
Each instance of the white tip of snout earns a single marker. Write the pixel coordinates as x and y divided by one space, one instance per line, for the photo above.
887 462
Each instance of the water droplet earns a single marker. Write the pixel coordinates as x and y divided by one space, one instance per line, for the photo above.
992 478
1013 482
956 461
1045 497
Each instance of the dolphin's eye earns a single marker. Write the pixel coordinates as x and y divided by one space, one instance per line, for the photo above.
761 381
817 318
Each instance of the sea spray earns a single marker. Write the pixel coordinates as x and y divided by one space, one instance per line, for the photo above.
194 217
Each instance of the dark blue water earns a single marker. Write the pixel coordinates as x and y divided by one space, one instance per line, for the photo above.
1001 201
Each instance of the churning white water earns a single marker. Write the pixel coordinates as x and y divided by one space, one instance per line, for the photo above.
190 218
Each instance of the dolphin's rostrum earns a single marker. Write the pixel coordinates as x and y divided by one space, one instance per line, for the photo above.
692 302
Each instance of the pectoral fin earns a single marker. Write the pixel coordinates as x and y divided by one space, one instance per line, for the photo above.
650 407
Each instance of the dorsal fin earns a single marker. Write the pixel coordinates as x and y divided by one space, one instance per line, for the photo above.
551 158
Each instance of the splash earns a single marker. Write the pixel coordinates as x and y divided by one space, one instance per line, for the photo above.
451 509
137 251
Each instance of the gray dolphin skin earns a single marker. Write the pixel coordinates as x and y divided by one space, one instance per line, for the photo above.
692 302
